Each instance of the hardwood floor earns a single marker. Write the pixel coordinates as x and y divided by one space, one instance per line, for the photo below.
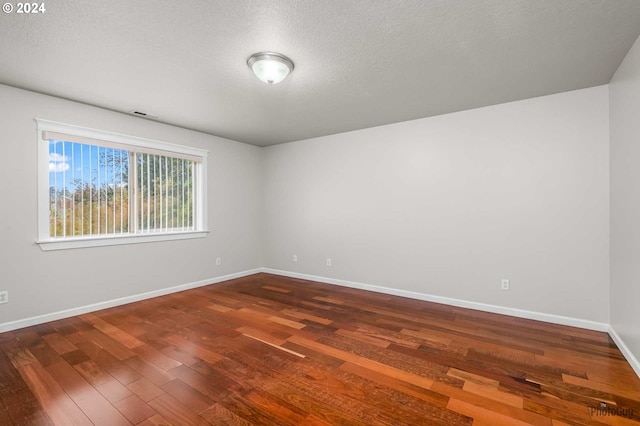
268 350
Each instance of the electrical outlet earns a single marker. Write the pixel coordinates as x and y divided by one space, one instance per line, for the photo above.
218 261
506 285
295 257
4 297
328 262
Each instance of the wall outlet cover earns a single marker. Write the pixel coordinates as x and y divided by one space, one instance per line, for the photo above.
505 284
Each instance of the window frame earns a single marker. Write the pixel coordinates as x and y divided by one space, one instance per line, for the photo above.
130 143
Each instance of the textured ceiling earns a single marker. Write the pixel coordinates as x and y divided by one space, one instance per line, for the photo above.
357 63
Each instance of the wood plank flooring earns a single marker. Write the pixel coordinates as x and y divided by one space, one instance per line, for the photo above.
269 350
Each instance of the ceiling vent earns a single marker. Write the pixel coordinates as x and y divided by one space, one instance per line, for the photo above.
143 114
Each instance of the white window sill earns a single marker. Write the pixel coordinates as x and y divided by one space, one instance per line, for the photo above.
99 241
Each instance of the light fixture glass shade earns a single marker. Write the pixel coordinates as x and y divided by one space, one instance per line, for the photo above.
270 67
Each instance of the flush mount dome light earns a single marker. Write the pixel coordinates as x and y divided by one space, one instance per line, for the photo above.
270 67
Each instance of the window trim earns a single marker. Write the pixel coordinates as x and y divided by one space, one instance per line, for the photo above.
133 143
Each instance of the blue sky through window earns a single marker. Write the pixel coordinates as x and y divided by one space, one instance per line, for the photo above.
71 162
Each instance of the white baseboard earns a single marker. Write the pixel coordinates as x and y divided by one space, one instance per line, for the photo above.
630 357
53 316
520 313
555 319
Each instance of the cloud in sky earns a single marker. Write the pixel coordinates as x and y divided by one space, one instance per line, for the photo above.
58 162
58 167
58 158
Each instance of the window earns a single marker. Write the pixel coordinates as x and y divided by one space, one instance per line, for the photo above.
100 188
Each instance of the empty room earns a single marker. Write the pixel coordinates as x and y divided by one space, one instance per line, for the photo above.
329 212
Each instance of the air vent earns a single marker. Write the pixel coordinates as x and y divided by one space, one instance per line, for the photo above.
143 114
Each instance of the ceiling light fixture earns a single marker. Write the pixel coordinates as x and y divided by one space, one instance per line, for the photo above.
270 67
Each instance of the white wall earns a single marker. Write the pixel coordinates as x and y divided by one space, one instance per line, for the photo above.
449 205
625 201
445 206
45 282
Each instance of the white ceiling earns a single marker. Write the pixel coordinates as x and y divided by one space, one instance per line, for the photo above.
357 63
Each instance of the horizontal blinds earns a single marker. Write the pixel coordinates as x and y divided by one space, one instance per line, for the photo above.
64 137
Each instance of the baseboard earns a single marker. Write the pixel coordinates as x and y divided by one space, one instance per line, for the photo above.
630 357
40 319
555 319
539 316
520 313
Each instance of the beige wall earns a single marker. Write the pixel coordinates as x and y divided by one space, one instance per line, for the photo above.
45 282
450 205
625 201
